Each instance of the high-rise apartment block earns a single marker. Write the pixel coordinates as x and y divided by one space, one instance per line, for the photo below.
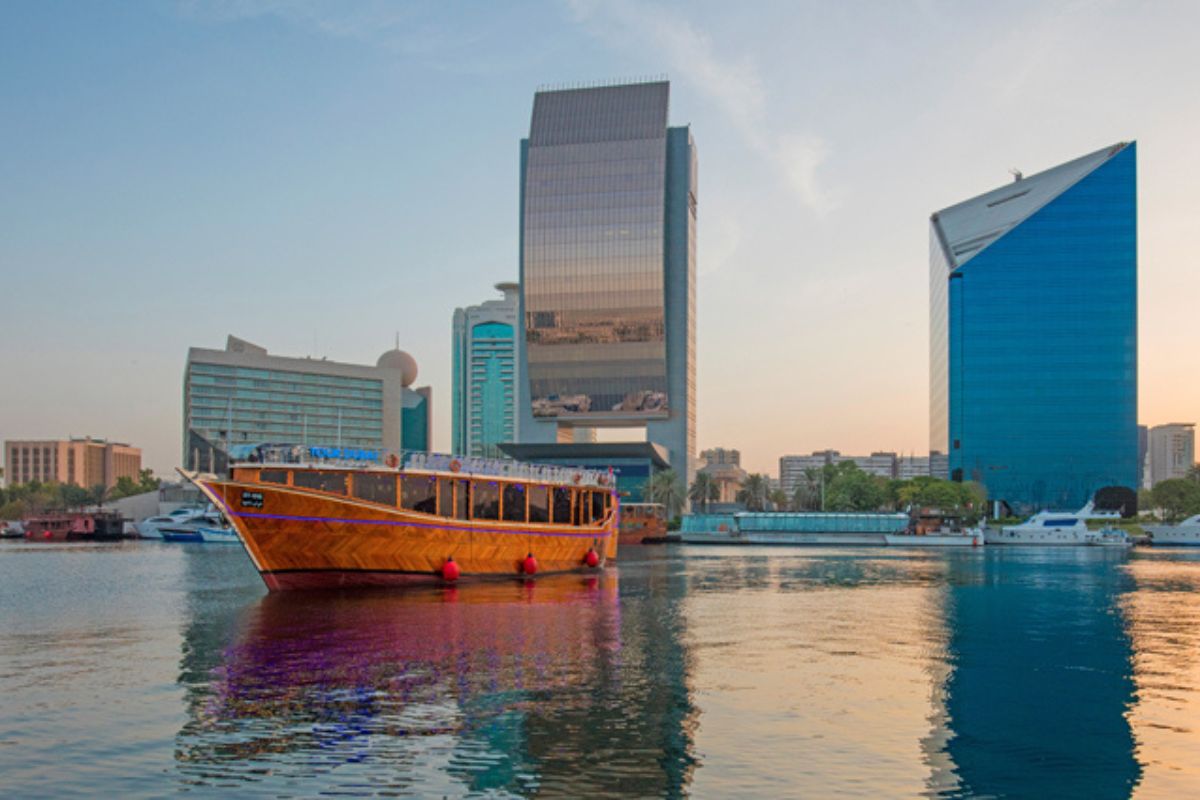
85 461
485 374
608 269
1033 333
1171 452
243 395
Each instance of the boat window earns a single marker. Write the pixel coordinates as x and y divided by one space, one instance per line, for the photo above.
446 497
597 506
562 505
485 500
462 498
419 493
273 476
376 487
514 502
578 517
334 482
539 504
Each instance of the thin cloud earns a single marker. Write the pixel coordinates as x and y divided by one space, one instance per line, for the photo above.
734 86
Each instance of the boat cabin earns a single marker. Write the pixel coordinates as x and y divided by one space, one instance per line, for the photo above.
451 495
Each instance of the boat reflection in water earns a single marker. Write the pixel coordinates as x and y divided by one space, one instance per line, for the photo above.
492 687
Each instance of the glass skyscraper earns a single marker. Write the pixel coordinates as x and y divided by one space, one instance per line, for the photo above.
608 263
1033 333
484 345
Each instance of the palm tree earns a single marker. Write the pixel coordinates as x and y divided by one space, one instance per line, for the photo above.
754 492
704 490
779 499
666 488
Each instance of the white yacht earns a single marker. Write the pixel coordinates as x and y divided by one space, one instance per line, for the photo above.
1185 533
192 517
1058 528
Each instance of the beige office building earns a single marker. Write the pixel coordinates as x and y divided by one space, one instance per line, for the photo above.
85 462
1171 452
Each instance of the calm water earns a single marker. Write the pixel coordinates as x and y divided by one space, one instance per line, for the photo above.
155 669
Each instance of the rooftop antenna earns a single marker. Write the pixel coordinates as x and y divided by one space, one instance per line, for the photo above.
1016 173
397 340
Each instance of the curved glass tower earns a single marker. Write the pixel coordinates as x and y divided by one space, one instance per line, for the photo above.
1033 333
608 221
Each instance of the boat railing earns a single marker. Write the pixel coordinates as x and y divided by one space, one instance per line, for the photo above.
422 460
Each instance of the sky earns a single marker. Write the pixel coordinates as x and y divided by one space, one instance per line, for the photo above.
318 177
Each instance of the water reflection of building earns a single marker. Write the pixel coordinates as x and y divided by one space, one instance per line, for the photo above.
1037 698
1161 613
486 688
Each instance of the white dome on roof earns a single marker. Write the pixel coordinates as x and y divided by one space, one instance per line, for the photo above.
399 360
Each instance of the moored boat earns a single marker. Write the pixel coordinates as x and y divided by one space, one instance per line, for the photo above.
969 537
1058 529
95 526
1186 533
642 521
211 535
435 518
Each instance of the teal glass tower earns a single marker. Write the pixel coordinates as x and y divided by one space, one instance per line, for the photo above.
608 270
484 377
1033 333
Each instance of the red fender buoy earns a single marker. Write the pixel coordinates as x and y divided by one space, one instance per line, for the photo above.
529 565
450 571
592 559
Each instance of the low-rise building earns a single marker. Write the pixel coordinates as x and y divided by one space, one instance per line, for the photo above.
244 395
792 468
83 461
724 467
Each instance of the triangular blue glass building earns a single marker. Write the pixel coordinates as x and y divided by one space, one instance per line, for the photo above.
1033 333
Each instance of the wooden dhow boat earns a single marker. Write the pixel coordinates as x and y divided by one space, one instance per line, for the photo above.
326 522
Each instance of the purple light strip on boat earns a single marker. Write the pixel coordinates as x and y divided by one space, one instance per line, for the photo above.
601 534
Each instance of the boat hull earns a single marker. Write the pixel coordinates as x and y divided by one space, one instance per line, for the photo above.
299 539
1172 536
933 540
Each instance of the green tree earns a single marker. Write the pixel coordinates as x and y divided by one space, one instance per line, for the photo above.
99 493
665 487
147 482
12 510
75 496
849 488
1177 497
703 491
779 500
755 492
807 494
125 487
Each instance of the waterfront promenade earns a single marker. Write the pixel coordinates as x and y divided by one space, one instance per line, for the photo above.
143 669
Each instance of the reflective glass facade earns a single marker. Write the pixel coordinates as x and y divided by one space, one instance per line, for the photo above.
608 268
1034 336
275 406
594 310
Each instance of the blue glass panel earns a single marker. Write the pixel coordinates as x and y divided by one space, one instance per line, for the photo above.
1043 349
